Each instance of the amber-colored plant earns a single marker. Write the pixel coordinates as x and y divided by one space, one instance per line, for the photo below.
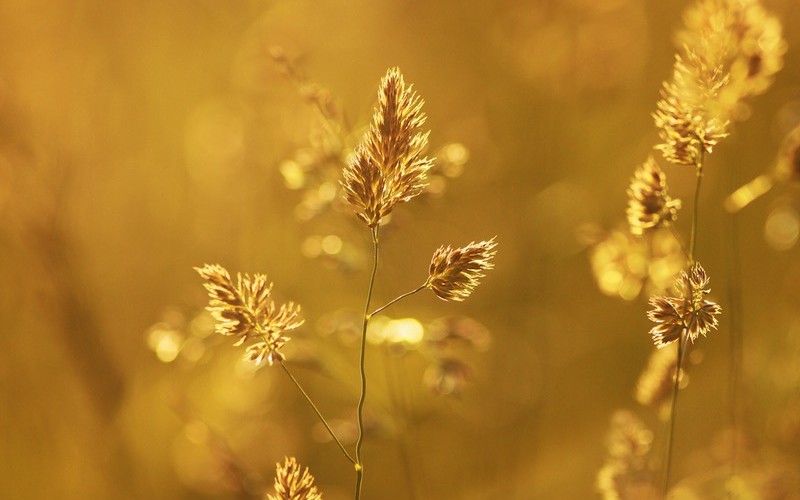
649 205
730 50
293 483
387 168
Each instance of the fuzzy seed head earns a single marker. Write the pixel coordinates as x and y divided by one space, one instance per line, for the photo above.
454 273
245 309
293 483
689 313
649 206
389 166
686 124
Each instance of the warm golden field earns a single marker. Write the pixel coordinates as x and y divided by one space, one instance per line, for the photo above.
139 140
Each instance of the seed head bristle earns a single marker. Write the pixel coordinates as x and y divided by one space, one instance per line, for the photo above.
744 37
686 123
688 313
454 273
293 483
649 206
245 309
389 166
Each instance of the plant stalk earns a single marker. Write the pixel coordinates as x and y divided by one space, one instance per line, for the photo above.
398 298
319 414
359 464
682 341
695 209
681 347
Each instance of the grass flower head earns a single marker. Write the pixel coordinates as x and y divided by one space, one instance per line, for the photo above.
293 483
454 273
685 123
245 309
688 313
649 206
389 166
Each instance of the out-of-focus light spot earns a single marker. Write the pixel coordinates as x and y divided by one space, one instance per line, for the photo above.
452 158
193 350
406 330
165 342
696 356
782 228
202 325
293 175
327 191
637 263
376 330
311 247
436 185
630 288
331 244
455 153
610 281
683 382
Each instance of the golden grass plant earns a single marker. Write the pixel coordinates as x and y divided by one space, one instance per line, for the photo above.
388 167
730 51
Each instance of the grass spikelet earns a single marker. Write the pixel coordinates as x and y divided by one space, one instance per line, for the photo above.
454 273
686 125
389 166
743 36
245 309
690 312
649 205
294 483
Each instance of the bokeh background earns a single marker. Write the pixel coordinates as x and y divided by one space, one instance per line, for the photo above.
140 139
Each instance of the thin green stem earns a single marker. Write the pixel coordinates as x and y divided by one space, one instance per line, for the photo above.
316 410
684 335
678 239
695 208
362 366
681 347
398 298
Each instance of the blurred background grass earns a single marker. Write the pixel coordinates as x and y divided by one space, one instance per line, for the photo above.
140 139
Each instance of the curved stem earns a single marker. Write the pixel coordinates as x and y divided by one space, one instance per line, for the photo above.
316 410
695 210
681 347
396 299
362 366
684 335
678 239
